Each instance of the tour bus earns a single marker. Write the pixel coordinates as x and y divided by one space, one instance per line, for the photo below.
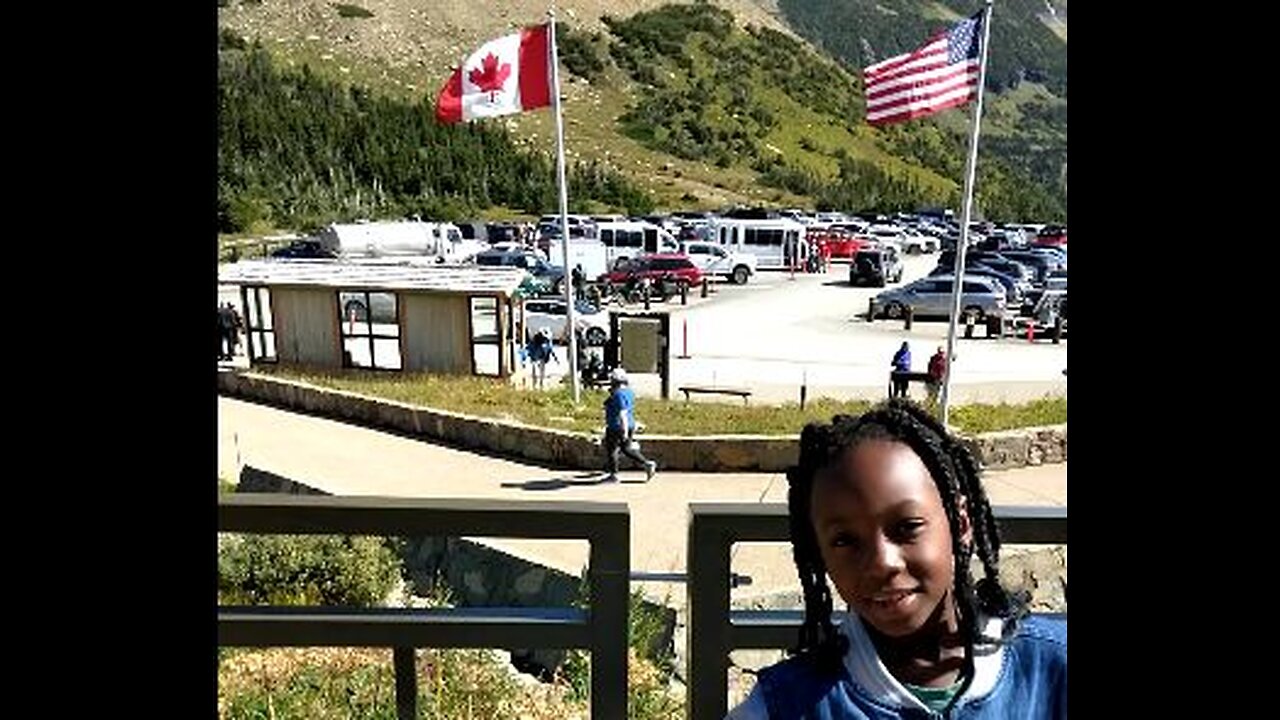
777 243
628 238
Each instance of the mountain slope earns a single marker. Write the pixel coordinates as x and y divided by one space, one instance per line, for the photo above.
806 138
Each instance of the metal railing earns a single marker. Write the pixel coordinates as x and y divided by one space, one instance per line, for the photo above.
601 629
715 630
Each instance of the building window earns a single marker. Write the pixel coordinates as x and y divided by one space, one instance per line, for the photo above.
259 326
485 336
370 328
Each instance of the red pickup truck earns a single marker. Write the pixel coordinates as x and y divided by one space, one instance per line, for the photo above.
838 243
654 267
1052 235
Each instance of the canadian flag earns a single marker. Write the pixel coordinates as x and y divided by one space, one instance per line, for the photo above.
508 75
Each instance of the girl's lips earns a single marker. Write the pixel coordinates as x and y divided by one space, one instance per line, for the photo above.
891 599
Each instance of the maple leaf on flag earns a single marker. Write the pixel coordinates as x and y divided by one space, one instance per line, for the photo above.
490 77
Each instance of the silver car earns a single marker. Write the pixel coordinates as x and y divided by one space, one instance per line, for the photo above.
931 297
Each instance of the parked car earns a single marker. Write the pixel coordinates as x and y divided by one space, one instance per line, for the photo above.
840 242
908 242
712 259
1052 235
1040 263
654 267
553 314
997 261
547 274
931 297
304 249
875 265
1015 289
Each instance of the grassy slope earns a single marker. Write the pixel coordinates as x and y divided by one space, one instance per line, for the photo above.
395 53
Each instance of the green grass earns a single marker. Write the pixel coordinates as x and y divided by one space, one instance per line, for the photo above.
491 398
352 683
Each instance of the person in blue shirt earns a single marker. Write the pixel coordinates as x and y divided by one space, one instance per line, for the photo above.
890 508
901 363
541 350
620 426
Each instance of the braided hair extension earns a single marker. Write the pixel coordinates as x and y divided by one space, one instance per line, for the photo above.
957 477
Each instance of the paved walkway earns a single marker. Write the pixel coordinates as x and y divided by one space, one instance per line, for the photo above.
345 459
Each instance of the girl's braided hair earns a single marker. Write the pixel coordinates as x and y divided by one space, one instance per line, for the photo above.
957 476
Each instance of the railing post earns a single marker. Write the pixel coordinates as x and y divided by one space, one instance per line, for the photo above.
406 684
707 637
609 579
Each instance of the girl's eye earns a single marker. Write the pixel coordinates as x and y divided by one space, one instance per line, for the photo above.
908 529
842 540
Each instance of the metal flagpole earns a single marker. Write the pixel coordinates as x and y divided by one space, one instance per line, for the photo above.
566 279
971 166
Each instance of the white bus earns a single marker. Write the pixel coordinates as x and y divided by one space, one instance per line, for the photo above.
777 243
628 238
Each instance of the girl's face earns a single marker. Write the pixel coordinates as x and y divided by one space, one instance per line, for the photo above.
884 537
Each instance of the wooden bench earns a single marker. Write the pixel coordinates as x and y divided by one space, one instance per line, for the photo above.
715 390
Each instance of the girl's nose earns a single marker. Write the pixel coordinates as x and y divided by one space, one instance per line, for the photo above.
886 556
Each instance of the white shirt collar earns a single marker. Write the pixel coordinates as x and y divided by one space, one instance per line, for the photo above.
869 673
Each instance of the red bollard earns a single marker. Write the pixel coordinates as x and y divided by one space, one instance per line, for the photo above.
685 353
1031 332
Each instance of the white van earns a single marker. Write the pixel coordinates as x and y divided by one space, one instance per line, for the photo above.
580 226
777 243
629 238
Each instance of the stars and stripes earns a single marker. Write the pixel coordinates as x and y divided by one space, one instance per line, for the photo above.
941 74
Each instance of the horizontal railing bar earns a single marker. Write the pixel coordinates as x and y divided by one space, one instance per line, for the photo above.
764 629
372 515
767 522
397 627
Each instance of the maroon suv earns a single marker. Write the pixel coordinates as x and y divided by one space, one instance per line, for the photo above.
654 267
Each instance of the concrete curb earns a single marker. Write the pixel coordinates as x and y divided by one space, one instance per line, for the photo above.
560 448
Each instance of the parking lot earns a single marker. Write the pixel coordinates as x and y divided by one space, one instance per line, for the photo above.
780 331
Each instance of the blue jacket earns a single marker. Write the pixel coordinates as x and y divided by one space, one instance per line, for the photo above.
1025 679
902 360
540 348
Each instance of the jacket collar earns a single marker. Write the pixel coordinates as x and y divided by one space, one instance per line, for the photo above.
869 673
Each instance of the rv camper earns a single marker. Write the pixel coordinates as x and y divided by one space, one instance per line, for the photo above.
443 241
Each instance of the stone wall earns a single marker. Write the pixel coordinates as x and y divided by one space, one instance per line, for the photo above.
712 453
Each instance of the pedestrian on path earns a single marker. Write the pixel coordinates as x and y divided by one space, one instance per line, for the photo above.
901 365
541 349
619 427
889 508
226 332
937 371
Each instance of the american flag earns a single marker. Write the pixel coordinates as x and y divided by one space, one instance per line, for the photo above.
941 74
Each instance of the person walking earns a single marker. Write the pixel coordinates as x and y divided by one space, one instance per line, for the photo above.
541 349
237 326
901 365
619 428
937 371
226 332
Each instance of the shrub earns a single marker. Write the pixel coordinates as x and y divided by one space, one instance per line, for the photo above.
352 11
306 570
228 39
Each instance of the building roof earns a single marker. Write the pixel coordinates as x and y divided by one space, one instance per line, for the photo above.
385 275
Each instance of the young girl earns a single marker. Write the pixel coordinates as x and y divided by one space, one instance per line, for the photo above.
890 507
